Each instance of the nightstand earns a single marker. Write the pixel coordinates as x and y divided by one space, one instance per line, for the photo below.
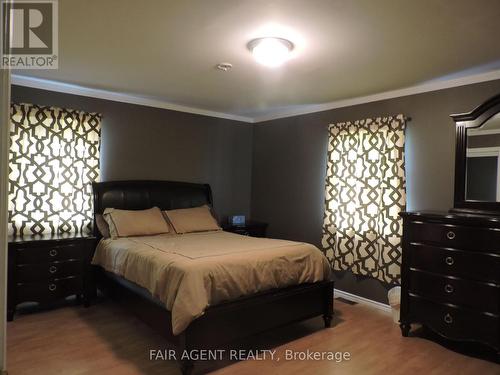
251 228
45 269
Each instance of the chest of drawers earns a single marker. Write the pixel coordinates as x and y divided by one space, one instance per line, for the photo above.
45 270
450 277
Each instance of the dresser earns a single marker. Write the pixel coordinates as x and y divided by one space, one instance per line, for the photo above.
250 228
450 277
46 269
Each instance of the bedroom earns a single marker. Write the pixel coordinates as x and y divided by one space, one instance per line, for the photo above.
313 122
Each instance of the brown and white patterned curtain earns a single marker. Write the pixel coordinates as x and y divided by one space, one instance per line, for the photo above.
53 159
365 191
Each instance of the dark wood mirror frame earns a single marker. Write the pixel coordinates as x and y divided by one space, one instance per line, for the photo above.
463 121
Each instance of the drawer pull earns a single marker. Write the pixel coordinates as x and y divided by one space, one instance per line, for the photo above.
449 261
53 252
52 287
448 319
450 235
449 288
52 269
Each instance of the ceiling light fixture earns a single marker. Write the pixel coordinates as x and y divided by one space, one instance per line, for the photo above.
270 52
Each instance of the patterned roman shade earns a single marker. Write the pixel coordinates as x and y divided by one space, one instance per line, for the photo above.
53 159
365 191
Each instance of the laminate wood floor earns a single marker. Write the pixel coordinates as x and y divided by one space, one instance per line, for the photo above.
105 339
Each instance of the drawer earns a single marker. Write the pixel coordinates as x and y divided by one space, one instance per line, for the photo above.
455 323
47 254
452 262
257 231
45 271
243 232
49 291
254 231
456 236
474 295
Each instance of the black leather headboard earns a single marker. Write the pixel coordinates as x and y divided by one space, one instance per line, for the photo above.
140 195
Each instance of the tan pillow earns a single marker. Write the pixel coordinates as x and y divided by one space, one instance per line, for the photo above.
102 225
197 219
126 223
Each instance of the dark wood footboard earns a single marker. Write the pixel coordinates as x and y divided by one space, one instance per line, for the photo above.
227 321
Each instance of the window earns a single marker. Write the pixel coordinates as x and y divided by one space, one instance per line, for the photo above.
53 159
365 192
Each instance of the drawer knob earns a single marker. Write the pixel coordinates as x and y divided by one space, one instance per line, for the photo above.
448 319
52 287
52 269
449 261
53 252
450 235
449 288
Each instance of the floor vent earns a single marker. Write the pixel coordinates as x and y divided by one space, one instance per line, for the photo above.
349 302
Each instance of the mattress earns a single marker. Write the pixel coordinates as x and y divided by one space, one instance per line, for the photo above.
190 272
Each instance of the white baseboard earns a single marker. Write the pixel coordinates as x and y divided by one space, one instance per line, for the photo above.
362 300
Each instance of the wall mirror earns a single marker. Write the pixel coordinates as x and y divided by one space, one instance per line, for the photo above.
477 163
482 162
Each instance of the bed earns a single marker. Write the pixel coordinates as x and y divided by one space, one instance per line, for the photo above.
235 312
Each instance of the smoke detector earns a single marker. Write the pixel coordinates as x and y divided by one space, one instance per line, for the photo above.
224 66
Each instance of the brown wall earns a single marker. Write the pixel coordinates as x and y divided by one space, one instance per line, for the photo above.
289 165
139 142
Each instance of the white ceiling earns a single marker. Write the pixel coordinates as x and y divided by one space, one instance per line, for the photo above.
167 50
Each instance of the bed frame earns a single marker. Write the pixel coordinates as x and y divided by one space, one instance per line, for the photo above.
222 323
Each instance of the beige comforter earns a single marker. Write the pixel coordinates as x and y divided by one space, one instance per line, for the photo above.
190 272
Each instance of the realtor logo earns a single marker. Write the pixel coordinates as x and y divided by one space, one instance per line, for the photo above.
33 35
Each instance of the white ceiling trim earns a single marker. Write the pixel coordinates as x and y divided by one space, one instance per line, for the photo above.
412 90
67 88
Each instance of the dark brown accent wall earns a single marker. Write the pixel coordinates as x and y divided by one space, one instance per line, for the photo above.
289 165
140 142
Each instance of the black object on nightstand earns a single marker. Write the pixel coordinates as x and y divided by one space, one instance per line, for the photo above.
250 228
46 269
